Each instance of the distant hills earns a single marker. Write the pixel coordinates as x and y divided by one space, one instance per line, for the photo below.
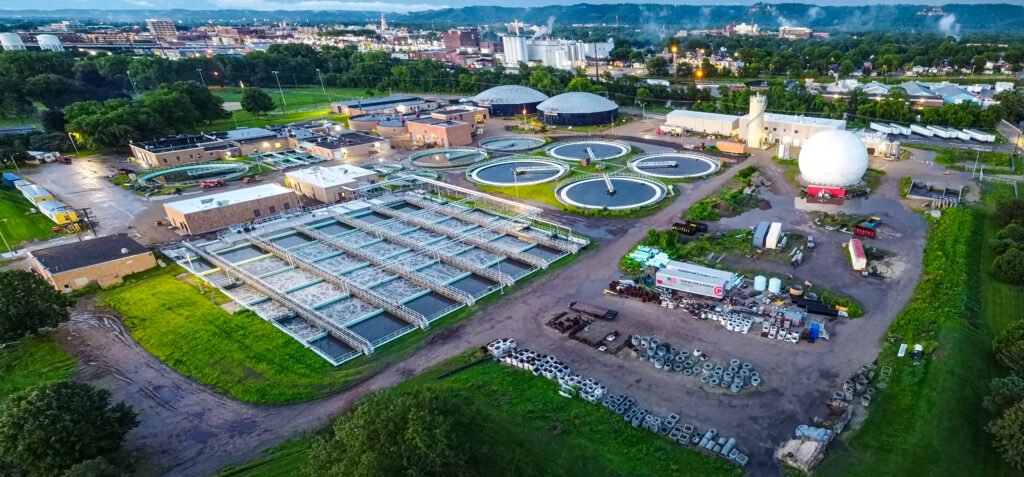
947 19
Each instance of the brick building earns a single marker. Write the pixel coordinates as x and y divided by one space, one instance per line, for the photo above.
102 260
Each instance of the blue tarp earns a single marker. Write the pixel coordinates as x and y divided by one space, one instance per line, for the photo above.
10 178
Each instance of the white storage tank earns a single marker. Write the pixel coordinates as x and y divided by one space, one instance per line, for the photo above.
760 283
775 285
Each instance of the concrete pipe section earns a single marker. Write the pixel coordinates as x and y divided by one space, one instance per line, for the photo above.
610 192
675 165
512 143
190 174
596 150
524 170
447 158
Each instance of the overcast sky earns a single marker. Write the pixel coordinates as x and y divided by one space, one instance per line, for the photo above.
391 5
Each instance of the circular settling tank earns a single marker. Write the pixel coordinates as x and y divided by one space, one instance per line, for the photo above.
442 158
674 165
577 150
512 143
519 171
186 174
611 192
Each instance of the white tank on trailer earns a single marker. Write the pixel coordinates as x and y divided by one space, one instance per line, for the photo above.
774 285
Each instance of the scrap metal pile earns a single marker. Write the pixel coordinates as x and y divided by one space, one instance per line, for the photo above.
778 321
736 377
507 350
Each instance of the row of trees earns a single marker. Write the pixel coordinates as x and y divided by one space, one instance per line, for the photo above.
171 108
1006 396
794 98
1008 265
58 429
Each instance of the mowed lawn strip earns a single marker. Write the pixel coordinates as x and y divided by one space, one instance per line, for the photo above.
32 361
523 421
240 355
16 223
929 420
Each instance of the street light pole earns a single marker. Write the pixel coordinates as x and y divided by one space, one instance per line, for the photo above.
324 88
284 102
675 62
130 80
15 165
201 78
72 138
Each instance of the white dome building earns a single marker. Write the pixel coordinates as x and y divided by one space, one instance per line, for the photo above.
835 158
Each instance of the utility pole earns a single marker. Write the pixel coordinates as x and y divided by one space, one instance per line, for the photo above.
16 168
6 245
201 78
284 102
72 138
88 220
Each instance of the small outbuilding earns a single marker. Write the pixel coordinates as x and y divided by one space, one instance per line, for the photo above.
577 109
102 260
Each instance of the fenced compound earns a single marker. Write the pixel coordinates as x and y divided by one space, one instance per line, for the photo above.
346 279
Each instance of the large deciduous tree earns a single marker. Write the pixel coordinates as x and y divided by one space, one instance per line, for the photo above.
27 304
420 432
48 429
1008 435
1009 347
256 101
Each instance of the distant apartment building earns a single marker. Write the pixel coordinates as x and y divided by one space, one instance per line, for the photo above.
162 30
460 39
795 33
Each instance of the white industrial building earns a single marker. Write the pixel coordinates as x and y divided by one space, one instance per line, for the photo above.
553 52
703 123
329 184
757 128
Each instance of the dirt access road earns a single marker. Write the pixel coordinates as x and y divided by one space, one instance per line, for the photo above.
191 430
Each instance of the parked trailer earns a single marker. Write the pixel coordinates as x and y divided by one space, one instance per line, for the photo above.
593 310
962 135
760 233
899 129
857 255
864 231
774 235
981 136
941 132
922 130
882 128
685 228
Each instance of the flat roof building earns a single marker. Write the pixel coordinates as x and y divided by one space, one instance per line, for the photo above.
345 145
395 104
181 150
439 132
218 211
102 260
704 123
329 184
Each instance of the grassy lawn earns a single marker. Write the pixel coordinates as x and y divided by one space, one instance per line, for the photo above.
965 158
241 355
30 120
729 202
537 431
929 419
243 119
16 223
30 362
298 98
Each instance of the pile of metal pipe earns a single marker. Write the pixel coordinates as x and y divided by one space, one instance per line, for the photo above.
735 377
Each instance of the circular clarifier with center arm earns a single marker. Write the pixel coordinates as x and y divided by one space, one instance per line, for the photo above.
517 171
674 165
610 192
578 150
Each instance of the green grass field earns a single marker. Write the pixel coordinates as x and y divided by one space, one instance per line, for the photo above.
929 420
16 223
243 119
298 99
33 361
241 355
535 430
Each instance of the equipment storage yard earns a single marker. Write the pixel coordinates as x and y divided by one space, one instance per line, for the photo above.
346 279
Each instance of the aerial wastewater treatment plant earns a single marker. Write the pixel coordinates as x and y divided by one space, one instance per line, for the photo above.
348 278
